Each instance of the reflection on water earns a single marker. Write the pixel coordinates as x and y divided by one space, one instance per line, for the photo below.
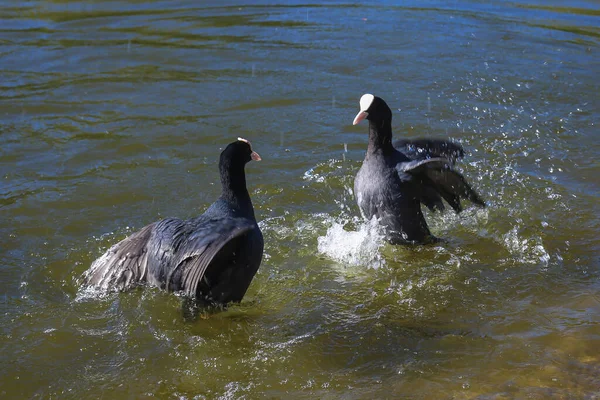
114 113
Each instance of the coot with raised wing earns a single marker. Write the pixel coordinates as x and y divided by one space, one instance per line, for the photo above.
395 179
211 258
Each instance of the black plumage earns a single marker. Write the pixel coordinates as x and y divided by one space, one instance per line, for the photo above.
395 179
212 258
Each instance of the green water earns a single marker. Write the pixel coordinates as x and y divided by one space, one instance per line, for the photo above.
113 116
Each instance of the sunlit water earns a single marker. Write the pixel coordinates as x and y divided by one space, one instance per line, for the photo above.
113 116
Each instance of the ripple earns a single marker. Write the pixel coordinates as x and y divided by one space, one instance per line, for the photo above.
114 113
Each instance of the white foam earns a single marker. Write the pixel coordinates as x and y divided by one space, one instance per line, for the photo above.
527 250
87 293
354 248
311 175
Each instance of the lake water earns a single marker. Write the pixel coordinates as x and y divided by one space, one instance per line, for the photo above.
114 114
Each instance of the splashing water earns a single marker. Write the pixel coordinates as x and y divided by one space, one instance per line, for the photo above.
527 249
349 240
359 247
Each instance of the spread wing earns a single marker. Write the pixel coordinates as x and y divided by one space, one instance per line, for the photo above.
171 254
429 148
196 253
438 180
124 264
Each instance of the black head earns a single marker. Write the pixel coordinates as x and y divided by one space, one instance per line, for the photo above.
374 109
238 153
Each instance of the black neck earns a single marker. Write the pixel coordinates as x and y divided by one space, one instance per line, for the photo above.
380 136
233 182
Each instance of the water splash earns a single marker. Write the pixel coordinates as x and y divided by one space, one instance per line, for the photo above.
526 249
103 243
353 247
311 175
91 293
234 389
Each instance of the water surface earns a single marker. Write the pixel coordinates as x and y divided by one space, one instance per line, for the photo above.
113 116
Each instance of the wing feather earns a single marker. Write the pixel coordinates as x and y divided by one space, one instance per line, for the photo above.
428 148
437 174
420 166
122 265
197 253
453 186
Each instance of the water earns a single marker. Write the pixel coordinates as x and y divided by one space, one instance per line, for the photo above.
113 116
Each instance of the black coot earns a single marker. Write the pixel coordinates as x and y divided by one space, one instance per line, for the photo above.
211 258
395 179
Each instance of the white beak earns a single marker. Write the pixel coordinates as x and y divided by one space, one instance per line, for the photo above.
359 117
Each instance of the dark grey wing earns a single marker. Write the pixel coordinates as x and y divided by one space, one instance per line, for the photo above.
198 251
431 198
422 166
123 265
429 148
438 180
452 186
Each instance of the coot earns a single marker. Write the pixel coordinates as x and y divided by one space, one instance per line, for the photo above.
211 258
395 179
